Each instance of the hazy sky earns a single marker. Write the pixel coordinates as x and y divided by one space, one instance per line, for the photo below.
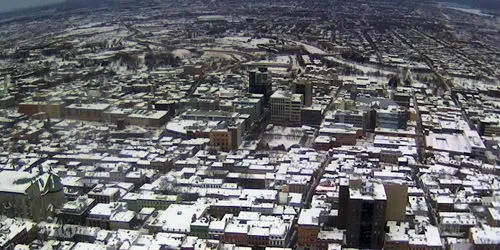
8 5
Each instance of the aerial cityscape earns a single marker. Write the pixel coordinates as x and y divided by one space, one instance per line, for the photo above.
250 124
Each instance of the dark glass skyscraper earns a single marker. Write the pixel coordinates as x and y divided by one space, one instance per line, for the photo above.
364 213
260 83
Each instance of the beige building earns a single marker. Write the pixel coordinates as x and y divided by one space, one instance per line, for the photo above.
286 108
30 195
153 118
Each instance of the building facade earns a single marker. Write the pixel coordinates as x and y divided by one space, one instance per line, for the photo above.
365 214
286 108
260 83
30 195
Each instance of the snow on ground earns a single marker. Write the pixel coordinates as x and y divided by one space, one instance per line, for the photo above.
89 25
223 55
364 68
472 83
471 11
182 53
89 31
311 49
282 59
243 41
283 136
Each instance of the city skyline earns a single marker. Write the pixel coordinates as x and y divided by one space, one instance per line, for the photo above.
240 125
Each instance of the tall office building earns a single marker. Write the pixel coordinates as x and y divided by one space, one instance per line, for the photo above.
343 203
260 83
286 108
397 197
364 214
305 88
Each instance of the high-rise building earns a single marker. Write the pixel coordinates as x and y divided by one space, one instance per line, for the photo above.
260 83
343 202
364 214
286 108
251 106
370 119
304 88
397 197
403 99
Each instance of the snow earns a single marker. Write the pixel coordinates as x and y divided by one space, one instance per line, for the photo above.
11 228
485 235
247 42
182 53
447 142
15 182
237 228
88 31
178 217
86 246
432 235
362 67
311 49
259 231
471 11
123 216
309 216
248 216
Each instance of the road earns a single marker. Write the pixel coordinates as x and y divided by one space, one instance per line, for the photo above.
315 182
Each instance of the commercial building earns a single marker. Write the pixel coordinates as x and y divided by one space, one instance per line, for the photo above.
259 82
16 231
86 112
251 106
344 134
53 109
111 216
365 214
353 117
311 116
153 118
304 88
485 237
393 117
489 126
397 199
226 139
286 108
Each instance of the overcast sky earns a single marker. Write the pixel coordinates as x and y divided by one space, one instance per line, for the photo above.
8 5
